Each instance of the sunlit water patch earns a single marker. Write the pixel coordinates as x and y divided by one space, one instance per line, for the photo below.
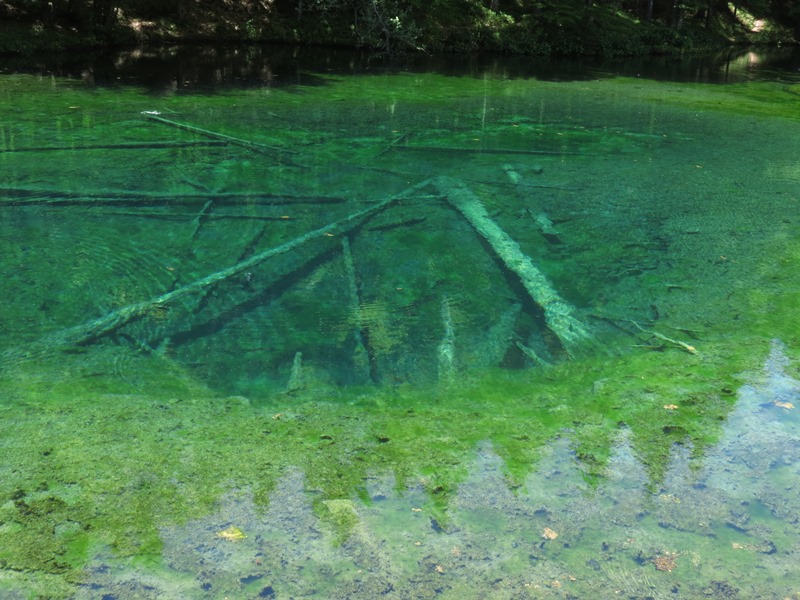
404 335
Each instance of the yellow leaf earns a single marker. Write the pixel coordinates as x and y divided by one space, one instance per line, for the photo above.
232 534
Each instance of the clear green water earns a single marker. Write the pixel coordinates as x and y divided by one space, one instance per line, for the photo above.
596 400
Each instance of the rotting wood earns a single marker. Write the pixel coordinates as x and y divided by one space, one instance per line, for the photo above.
32 197
460 150
219 136
200 220
546 226
109 323
498 339
192 215
290 123
159 145
363 355
539 216
531 354
523 185
688 347
247 252
398 224
392 144
446 353
559 315
198 185
217 317
296 379
513 175
405 176
654 334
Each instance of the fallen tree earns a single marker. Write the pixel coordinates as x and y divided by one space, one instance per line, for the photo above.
109 323
33 197
559 314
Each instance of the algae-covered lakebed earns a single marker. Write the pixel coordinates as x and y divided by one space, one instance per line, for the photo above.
402 334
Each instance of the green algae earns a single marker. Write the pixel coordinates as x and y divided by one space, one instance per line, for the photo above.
753 99
189 451
114 450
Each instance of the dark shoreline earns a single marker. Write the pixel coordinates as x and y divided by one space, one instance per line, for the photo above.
605 36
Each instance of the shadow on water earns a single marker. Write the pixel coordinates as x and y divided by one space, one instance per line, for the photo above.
209 69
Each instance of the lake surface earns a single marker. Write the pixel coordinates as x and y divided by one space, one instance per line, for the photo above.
278 323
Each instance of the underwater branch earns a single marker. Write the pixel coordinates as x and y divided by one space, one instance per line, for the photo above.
558 314
107 324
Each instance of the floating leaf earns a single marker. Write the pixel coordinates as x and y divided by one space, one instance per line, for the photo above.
549 534
232 534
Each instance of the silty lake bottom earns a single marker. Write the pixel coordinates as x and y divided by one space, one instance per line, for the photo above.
289 332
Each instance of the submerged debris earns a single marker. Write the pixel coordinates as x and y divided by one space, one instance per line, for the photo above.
666 561
549 534
232 534
560 316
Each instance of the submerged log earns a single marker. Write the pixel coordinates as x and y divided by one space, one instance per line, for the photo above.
216 135
32 197
498 339
392 144
157 145
559 315
446 352
208 217
247 252
363 357
513 175
461 150
200 220
109 323
532 355
688 347
546 226
296 378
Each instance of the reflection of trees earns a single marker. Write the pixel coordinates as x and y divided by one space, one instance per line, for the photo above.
402 482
